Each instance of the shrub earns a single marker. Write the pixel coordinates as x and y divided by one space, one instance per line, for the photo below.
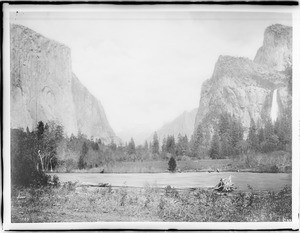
274 169
55 181
172 164
70 186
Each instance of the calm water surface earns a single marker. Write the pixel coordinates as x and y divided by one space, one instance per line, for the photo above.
259 181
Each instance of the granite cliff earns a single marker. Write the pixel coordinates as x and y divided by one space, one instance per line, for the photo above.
44 88
244 87
276 51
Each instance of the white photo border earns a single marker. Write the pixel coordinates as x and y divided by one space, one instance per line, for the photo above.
294 10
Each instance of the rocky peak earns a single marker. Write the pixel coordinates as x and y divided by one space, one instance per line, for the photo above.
244 88
276 51
44 88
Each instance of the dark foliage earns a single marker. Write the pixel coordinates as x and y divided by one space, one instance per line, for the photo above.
172 164
33 153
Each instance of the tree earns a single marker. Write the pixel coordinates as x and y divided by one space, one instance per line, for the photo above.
253 138
197 142
52 139
146 147
40 130
131 147
170 145
236 135
261 135
84 151
95 145
113 145
271 139
25 161
172 164
182 145
155 144
214 151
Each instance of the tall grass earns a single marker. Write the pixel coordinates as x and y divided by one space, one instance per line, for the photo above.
73 203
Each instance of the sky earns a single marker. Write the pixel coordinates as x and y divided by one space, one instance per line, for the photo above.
147 68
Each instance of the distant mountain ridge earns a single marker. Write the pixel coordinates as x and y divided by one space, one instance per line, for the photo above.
183 124
243 87
44 88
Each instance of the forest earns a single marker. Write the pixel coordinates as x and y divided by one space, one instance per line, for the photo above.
48 149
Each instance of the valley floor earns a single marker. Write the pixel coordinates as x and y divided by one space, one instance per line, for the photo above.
73 203
274 162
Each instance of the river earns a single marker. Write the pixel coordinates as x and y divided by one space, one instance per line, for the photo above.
259 181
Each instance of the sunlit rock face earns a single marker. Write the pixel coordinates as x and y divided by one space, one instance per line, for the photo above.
245 88
276 51
43 87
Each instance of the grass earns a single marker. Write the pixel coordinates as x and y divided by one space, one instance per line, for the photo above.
274 162
73 203
160 166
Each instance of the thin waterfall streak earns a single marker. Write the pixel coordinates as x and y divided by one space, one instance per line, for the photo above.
274 108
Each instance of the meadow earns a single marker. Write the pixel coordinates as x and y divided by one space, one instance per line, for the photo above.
71 202
274 162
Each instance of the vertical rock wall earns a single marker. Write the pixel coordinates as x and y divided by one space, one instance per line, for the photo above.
43 87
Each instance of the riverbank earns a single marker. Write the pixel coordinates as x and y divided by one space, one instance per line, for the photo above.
74 203
241 180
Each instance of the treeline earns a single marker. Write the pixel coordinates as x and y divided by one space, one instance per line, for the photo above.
231 139
46 148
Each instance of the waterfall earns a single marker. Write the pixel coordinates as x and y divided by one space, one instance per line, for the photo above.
274 108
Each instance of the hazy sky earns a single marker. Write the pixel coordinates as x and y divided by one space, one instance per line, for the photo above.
148 67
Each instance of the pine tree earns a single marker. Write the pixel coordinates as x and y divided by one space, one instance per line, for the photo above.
113 145
155 144
271 142
182 145
197 142
84 151
224 125
253 138
40 130
261 136
164 145
214 151
172 164
170 145
146 147
131 147
236 135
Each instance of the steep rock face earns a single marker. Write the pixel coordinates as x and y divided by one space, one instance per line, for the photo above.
276 51
43 89
183 124
242 88
90 115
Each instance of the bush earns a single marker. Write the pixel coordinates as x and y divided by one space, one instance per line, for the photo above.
274 169
172 164
55 181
